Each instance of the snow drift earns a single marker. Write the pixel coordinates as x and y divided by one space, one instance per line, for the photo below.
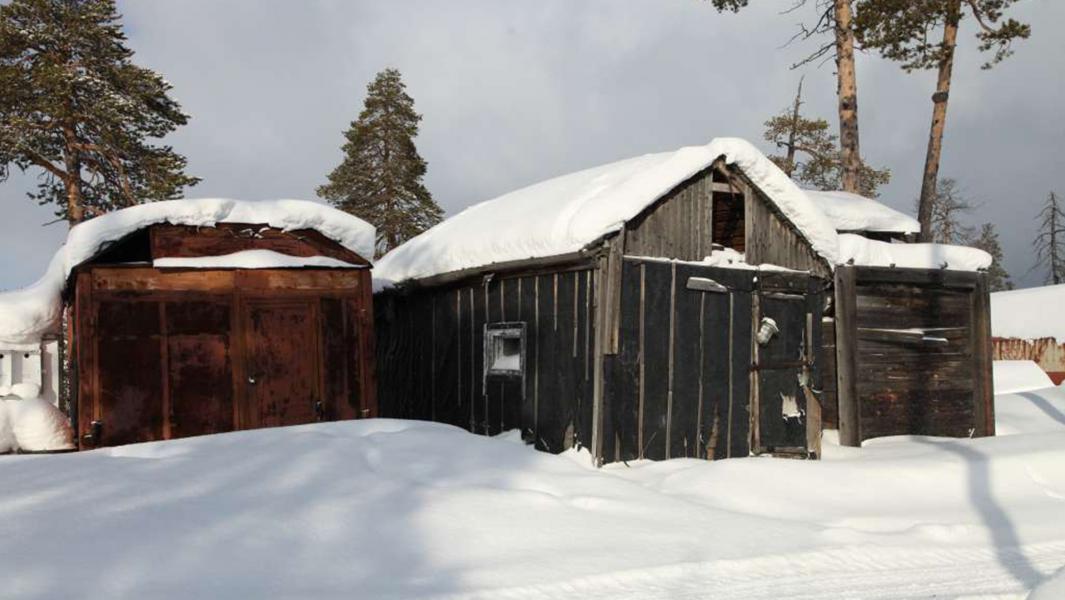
392 509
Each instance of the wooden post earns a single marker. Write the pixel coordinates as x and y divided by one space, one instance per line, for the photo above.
850 433
983 386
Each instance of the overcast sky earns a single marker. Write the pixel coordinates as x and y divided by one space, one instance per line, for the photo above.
513 92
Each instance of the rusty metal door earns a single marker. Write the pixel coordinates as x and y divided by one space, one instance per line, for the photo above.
282 363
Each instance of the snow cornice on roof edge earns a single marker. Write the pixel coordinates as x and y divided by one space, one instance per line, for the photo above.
29 313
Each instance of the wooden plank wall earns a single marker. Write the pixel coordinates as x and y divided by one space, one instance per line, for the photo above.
677 226
772 240
679 384
937 383
430 349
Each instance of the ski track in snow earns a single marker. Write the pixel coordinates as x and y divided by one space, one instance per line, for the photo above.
851 572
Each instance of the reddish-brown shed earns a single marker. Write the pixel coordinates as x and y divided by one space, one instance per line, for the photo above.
161 352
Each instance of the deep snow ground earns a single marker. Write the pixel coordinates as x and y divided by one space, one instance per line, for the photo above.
390 509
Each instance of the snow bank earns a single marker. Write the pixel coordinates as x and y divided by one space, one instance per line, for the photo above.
1029 314
872 253
852 212
1012 376
249 259
39 426
33 425
8 443
566 214
1034 410
27 314
394 509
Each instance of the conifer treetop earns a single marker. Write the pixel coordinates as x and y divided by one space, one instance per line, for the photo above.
380 177
73 104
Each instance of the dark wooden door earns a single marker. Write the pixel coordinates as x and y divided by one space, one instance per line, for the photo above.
200 372
281 371
780 349
129 404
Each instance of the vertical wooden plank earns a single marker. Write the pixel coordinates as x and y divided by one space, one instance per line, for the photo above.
164 358
85 399
642 358
672 355
599 350
983 385
813 404
847 357
754 433
611 292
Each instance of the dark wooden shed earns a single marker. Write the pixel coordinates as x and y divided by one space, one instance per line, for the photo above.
611 309
170 334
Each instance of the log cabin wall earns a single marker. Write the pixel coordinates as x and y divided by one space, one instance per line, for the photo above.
432 344
914 353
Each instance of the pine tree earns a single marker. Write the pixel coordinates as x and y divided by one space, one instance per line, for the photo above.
986 239
836 19
73 104
904 31
822 166
1050 242
947 209
380 178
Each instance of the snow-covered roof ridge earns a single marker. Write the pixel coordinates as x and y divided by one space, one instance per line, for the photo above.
568 213
27 314
860 250
852 212
86 239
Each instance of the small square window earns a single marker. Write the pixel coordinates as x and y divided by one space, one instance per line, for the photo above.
504 349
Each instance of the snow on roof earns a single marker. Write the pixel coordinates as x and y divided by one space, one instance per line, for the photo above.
250 259
851 212
1029 314
568 213
863 251
29 313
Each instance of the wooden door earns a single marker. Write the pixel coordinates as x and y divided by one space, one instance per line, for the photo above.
781 362
128 401
281 369
199 369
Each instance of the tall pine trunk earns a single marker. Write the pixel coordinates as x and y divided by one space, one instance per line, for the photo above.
847 94
72 182
939 121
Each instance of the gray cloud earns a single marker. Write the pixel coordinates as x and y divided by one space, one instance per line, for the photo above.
515 91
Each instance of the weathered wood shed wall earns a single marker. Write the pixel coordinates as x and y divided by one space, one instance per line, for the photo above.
431 355
161 353
913 353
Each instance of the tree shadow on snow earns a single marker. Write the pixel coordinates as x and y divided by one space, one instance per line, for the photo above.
1044 405
1005 542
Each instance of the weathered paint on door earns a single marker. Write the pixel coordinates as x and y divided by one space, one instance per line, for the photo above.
780 358
282 372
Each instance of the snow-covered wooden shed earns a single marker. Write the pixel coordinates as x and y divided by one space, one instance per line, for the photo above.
202 316
677 304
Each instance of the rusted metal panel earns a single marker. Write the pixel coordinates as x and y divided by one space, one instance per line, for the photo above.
1045 352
